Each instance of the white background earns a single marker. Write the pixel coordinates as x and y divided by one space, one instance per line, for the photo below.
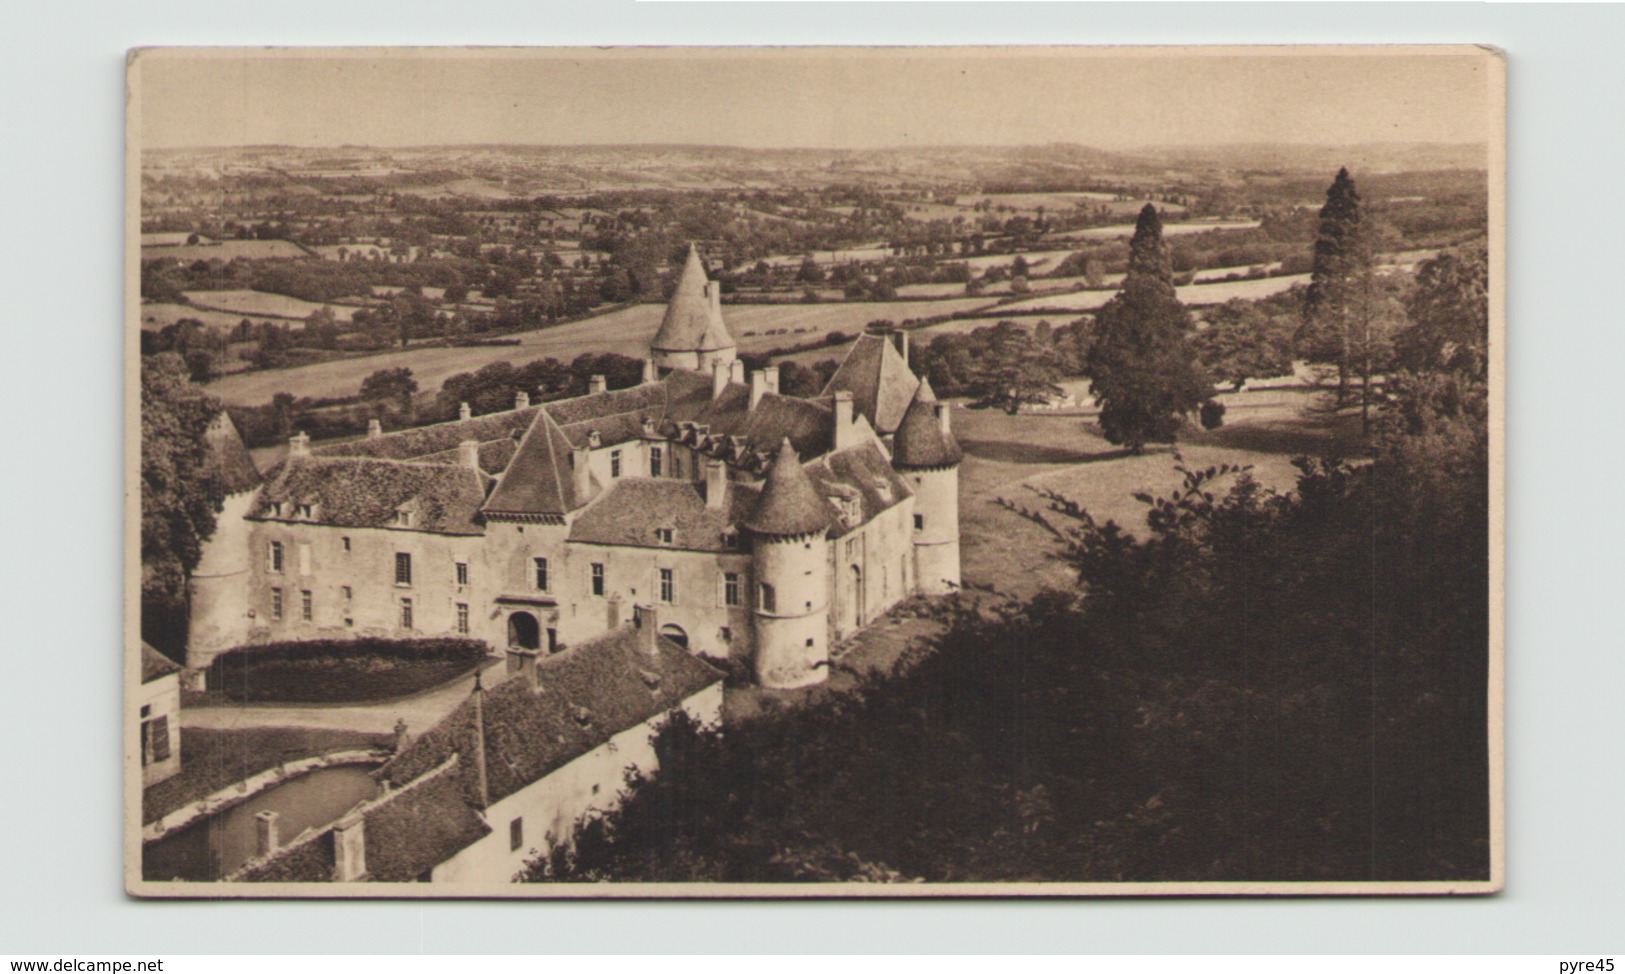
60 503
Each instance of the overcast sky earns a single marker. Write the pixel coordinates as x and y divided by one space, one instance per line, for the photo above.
824 98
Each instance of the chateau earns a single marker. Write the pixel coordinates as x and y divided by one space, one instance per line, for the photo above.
758 528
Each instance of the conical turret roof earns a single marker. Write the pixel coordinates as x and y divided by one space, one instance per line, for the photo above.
921 441
692 321
789 504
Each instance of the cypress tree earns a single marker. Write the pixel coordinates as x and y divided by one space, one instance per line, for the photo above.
1341 271
1142 368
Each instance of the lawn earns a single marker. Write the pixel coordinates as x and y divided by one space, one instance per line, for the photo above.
216 759
1007 456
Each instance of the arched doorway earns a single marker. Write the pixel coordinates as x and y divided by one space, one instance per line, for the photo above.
675 634
523 631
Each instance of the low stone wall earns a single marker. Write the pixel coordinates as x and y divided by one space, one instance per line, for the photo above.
249 787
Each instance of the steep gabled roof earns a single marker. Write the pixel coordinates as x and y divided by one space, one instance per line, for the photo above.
921 442
539 479
858 473
789 505
437 438
630 511
691 322
879 380
155 664
360 492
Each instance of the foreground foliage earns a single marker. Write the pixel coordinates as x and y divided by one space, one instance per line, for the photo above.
1266 687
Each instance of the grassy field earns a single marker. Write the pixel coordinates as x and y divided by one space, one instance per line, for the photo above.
625 332
1168 230
158 314
1007 456
1217 292
263 303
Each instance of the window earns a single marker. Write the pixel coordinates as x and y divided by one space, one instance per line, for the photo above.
276 603
406 613
306 608
668 584
767 597
516 834
614 464
403 518
274 558
462 573
663 535
403 568
154 740
304 558
727 634
541 574
919 522
304 512
346 542
597 579
462 617
656 455
552 640
730 588
851 548
676 464
346 592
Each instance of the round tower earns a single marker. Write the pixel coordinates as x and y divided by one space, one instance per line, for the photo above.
217 589
791 566
925 452
692 335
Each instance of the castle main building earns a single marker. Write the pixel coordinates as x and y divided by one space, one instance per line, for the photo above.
765 527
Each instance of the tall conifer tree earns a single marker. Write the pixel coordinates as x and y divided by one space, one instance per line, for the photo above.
1342 268
1142 368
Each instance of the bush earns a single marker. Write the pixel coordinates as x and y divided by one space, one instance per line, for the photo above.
341 671
1212 414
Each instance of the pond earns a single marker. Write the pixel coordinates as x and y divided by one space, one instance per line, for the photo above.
217 846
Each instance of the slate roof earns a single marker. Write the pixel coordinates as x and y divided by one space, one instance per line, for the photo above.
920 442
359 492
587 694
410 831
540 479
859 473
790 504
495 455
630 511
633 399
809 424
310 861
690 322
228 456
880 382
154 664
425 440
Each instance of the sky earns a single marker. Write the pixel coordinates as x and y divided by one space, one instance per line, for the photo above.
839 98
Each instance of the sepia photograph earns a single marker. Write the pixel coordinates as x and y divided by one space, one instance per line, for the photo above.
732 472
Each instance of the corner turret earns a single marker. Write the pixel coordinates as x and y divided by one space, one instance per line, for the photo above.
692 335
926 454
792 576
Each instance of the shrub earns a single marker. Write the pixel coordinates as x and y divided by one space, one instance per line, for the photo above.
1212 414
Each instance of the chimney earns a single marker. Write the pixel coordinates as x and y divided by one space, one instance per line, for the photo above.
770 376
736 371
902 344
716 483
468 454
521 400
942 416
597 384
464 412
758 387
299 444
649 374
843 419
523 663
265 837
581 471
719 377
375 428
713 294
350 850
646 619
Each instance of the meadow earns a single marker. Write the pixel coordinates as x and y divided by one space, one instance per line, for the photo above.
270 305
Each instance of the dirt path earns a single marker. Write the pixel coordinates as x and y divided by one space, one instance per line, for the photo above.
420 711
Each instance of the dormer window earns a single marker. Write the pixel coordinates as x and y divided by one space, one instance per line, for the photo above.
277 508
403 518
305 512
730 539
595 440
664 535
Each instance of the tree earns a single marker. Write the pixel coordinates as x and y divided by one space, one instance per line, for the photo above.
1242 341
1449 313
394 386
181 493
1342 268
1015 369
1143 370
